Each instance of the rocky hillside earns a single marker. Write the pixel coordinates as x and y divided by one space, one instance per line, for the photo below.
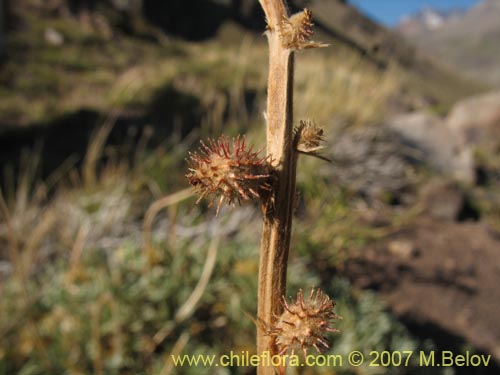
468 40
103 249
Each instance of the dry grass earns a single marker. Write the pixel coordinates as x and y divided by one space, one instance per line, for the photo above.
80 294
343 87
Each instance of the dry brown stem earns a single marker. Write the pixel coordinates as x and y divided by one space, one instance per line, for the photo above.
277 226
285 34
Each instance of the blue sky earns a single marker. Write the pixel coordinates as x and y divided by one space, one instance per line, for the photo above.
390 12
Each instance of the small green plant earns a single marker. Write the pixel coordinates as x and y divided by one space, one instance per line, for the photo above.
237 173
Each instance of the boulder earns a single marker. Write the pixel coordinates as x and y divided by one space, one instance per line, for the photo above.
476 119
440 145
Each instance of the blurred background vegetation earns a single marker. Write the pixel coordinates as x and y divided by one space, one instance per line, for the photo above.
107 266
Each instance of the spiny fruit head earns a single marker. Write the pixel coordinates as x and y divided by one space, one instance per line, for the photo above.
309 137
305 323
295 32
231 172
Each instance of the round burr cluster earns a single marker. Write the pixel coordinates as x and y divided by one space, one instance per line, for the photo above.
305 323
229 172
309 139
295 32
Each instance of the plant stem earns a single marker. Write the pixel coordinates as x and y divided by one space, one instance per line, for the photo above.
277 226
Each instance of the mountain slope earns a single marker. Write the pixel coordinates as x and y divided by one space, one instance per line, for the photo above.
427 19
468 41
343 25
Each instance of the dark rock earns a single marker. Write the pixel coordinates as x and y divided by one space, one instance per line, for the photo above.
442 199
373 161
